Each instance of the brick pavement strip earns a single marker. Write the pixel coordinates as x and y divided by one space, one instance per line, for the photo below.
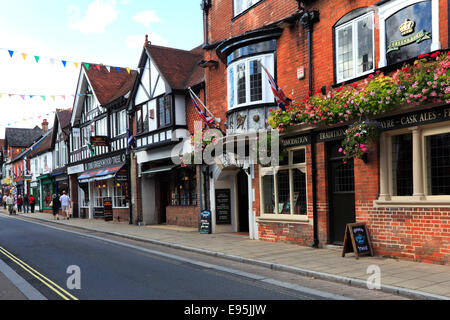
228 246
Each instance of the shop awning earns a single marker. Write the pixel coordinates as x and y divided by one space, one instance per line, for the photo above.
158 170
100 174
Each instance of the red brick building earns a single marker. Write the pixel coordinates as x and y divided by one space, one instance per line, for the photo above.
311 196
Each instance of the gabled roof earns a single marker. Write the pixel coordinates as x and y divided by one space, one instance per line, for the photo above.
20 137
178 67
109 86
62 119
42 146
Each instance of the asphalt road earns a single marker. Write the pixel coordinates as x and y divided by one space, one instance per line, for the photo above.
110 271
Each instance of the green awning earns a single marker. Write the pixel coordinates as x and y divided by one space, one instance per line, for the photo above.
45 176
159 169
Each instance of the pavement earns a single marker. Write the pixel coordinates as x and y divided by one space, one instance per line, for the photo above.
408 278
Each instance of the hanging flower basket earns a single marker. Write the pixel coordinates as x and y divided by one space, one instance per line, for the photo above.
358 137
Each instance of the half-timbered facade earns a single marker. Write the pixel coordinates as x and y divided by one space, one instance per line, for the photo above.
98 142
162 114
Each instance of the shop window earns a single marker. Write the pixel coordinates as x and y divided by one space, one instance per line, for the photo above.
247 83
415 165
47 191
101 191
183 187
119 198
284 188
355 48
438 164
242 5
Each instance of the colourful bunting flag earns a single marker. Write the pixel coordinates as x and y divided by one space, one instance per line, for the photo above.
118 69
24 55
129 70
64 63
37 59
86 65
11 53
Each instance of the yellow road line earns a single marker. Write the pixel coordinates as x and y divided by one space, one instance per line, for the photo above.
50 284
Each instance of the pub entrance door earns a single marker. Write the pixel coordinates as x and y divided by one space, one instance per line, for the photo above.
341 189
242 184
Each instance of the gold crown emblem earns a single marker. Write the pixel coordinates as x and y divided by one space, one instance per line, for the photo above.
407 27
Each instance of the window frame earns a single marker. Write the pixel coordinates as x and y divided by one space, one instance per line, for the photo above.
264 171
355 50
236 14
267 95
389 200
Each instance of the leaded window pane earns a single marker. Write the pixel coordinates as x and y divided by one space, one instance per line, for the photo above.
438 164
241 84
255 81
299 192
402 165
268 194
365 45
345 52
284 198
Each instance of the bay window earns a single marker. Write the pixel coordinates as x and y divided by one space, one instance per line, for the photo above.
119 199
248 83
283 188
355 47
164 107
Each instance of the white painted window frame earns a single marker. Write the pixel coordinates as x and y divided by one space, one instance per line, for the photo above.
354 24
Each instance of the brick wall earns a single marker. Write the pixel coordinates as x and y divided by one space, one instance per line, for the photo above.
185 216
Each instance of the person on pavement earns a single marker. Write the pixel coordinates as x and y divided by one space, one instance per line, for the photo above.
26 203
65 203
19 203
32 203
10 203
56 205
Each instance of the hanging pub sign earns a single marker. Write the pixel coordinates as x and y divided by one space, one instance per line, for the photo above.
408 32
357 240
99 141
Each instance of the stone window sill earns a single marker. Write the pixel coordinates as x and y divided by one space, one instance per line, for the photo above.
411 203
278 219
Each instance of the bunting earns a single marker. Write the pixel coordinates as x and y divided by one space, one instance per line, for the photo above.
65 63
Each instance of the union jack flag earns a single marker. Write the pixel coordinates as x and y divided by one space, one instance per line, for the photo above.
208 120
280 98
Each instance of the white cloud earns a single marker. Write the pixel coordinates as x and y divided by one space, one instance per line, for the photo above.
147 17
98 16
137 42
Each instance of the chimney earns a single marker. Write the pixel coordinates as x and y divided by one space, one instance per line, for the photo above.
45 125
147 43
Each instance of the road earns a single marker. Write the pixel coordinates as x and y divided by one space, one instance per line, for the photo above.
111 268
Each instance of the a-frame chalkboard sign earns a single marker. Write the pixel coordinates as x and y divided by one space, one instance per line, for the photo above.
357 240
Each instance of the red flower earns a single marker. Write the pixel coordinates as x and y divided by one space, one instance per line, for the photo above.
423 56
354 85
370 76
405 68
434 55
378 71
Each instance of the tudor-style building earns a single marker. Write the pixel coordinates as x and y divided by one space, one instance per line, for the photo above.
99 169
308 46
60 147
162 117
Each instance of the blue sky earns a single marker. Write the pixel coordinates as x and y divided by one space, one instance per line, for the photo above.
111 32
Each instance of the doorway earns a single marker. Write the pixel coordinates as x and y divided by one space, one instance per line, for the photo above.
242 190
164 183
341 188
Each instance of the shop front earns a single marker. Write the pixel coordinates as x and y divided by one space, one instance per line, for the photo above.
46 193
103 189
61 182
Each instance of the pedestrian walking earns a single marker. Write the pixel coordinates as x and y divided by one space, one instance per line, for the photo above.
26 203
19 203
56 205
32 203
4 201
10 203
65 203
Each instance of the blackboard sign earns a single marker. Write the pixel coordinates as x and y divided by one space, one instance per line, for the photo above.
108 211
99 212
357 240
223 206
205 222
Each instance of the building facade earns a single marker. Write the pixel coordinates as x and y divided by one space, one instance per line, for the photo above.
99 167
162 118
310 47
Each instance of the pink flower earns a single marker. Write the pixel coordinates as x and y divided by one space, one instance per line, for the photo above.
340 150
357 134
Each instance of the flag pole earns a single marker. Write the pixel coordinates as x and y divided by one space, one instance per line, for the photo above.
194 95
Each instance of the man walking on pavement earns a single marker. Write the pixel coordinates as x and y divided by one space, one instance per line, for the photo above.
65 203
26 203
10 203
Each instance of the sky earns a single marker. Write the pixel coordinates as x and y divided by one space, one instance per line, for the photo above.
111 32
